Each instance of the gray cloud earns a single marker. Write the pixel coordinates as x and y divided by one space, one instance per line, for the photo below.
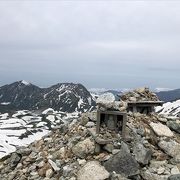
113 44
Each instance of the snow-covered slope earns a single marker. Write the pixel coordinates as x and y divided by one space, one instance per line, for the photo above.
169 108
24 127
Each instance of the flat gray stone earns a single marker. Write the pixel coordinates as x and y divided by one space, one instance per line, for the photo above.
93 171
172 148
84 148
173 125
123 163
142 154
174 177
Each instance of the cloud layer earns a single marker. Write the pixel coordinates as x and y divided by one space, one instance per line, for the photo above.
113 44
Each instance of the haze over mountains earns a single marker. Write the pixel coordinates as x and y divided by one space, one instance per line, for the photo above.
66 97
169 96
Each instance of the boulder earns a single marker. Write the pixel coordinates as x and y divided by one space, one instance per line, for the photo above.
105 98
173 125
90 124
161 130
122 163
147 175
142 154
24 151
174 177
84 148
175 170
84 119
14 160
92 171
171 147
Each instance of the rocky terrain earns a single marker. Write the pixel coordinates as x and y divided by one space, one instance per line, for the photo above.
24 127
66 97
149 151
140 94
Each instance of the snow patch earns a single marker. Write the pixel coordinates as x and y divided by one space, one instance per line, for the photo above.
25 83
169 108
5 103
48 111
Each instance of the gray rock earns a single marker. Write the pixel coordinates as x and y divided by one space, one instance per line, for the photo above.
14 160
115 151
24 151
105 98
53 165
124 147
172 148
49 173
84 119
92 116
122 163
173 125
162 119
175 170
174 177
115 176
97 149
83 148
161 130
103 141
147 175
108 147
92 171
66 170
142 154
90 124
63 128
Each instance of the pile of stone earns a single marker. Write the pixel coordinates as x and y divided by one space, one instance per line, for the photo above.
108 101
139 95
149 151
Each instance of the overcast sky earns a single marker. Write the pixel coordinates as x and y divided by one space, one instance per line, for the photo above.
102 44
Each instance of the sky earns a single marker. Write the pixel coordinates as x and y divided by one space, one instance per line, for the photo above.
101 44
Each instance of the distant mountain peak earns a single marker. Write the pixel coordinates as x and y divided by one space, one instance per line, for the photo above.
67 97
25 82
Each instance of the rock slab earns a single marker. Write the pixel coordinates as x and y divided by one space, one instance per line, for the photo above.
122 163
171 147
93 171
84 148
142 154
161 130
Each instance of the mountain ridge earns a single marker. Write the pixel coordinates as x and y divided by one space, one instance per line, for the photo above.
169 96
67 97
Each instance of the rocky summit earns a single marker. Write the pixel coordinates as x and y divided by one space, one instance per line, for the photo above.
149 150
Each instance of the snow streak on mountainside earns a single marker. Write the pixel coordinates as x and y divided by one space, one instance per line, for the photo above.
170 108
66 97
24 127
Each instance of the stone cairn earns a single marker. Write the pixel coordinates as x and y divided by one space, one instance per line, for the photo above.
73 151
